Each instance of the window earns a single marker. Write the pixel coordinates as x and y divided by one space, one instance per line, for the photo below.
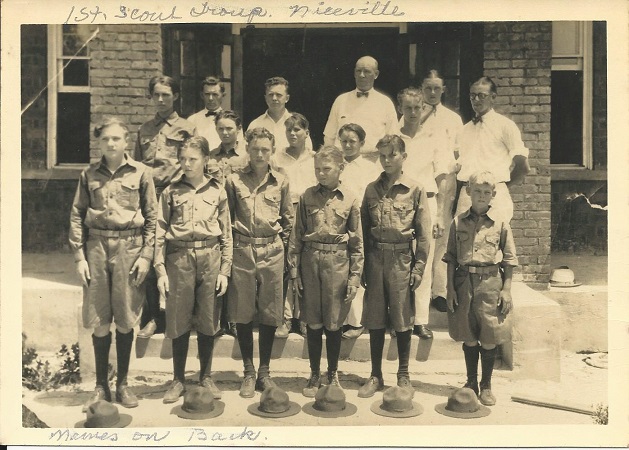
571 99
68 95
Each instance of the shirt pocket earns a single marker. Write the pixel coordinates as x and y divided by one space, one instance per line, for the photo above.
272 205
209 209
312 217
129 195
402 215
172 143
489 247
181 210
340 219
97 194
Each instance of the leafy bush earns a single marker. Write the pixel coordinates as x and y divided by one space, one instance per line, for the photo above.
40 375
600 415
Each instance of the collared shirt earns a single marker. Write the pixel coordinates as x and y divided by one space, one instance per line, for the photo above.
329 217
260 210
427 156
399 214
375 113
157 145
206 127
480 241
223 162
189 214
300 171
122 200
277 129
489 145
358 173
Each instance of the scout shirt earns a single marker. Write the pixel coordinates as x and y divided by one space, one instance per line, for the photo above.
398 215
225 161
480 240
277 129
329 217
189 214
122 200
159 139
300 171
260 210
205 123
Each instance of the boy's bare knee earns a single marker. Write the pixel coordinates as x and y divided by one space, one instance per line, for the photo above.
102 330
123 330
315 326
471 343
488 346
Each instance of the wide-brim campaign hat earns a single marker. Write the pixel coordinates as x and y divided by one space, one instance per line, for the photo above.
463 404
563 276
397 402
199 404
102 414
274 402
330 402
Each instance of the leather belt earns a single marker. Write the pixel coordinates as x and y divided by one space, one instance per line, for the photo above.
115 233
194 244
241 238
326 247
392 245
481 270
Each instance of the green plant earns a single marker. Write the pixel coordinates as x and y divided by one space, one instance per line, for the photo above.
600 414
39 375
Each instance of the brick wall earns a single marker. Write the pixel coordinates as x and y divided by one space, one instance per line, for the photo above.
518 58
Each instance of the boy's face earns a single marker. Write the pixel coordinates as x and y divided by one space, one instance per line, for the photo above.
276 97
481 195
350 143
296 135
328 172
212 97
391 159
482 98
192 161
260 151
227 131
432 88
113 142
163 98
411 108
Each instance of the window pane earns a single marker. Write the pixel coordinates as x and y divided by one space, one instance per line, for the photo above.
73 128
74 36
76 73
566 117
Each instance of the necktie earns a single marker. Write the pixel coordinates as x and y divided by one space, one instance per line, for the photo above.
210 113
477 119
362 94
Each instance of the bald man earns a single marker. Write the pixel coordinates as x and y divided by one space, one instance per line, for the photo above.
372 110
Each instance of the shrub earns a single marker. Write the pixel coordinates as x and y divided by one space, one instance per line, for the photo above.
600 414
39 375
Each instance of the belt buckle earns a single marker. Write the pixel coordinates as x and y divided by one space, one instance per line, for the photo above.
472 269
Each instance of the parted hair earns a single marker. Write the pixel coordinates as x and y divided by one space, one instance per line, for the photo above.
166 81
409 92
297 119
330 152
259 133
198 142
482 177
360 131
107 122
433 74
229 114
274 81
392 140
487 81
213 81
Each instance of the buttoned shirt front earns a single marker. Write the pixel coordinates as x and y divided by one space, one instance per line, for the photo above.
300 171
491 145
446 120
122 200
330 217
358 173
189 214
225 161
480 240
159 139
427 157
206 126
260 210
396 215
277 129
375 113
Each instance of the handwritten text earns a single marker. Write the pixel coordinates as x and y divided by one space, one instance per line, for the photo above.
373 9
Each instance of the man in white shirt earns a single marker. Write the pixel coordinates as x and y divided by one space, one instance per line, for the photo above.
276 96
492 142
212 93
372 110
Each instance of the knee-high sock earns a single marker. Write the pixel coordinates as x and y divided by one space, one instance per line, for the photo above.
180 354
333 348
471 362
487 359
265 347
315 345
245 342
206 350
403 351
124 342
101 359
376 346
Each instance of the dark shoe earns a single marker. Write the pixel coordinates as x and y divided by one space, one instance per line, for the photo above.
125 397
422 331
148 330
473 385
247 388
440 304
208 383
372 385
314 383
302 328
486 397
404 382
264 383
282 331
353 332
333 379
231 329
100 393
175 391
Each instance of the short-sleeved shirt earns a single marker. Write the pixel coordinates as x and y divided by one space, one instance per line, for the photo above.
399 214
260 210
159 139
480 240
358 173
329 217
206 126
277 129
300 171
375 113
490 144
189 214
225 161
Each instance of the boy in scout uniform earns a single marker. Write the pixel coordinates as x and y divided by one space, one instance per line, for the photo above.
231 153
112 233
480 257
326 261
157 145
193 258
262 217
395 216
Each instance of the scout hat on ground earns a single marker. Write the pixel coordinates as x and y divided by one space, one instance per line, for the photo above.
274 402
198 404
563 277
103 414
397 402
463 404
330 402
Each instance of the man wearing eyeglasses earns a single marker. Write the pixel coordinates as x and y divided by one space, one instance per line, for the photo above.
492 142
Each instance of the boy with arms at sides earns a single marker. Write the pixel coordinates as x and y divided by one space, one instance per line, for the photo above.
480 257
112 233
396 224
326 261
